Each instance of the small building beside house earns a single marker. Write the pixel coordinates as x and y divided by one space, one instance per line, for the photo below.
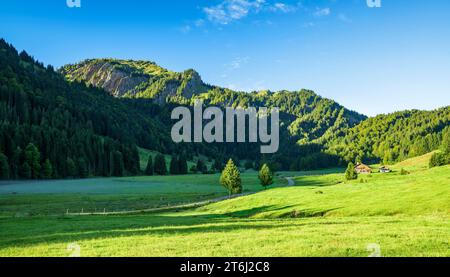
385 169
361 168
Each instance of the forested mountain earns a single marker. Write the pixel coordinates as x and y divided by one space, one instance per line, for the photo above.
135 79
66 129
316 131
87 119
393 137
308 116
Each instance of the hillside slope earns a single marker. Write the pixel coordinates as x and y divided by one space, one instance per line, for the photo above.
419 193
393 137
81 131
316 132
138 79
403 215
307 116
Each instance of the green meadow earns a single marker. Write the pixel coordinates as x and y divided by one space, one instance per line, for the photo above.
322 215
50 198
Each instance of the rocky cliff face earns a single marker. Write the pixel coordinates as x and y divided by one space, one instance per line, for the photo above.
135 79
307 117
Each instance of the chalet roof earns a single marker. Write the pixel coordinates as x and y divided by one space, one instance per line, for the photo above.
360 165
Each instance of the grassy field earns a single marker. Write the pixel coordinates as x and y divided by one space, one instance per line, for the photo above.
406 215
34 198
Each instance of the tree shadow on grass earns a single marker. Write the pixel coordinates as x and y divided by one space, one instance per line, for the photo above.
255 211
303 182
34 231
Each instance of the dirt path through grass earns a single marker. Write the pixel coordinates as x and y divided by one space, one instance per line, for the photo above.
180 207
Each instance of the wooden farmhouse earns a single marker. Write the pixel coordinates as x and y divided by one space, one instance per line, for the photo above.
361 168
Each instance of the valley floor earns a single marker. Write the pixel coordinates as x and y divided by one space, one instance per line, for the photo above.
211 235
322 215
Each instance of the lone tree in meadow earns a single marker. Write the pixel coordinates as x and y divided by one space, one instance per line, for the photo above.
231 178
265 176
160 167
350 173
149 167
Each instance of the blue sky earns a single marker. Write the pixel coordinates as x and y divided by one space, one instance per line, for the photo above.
372 60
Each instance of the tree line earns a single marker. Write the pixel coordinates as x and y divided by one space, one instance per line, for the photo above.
392 138
52 129
442 157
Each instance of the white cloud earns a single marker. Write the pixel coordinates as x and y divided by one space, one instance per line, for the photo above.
322 12
231 10
283 8
342 17
237 63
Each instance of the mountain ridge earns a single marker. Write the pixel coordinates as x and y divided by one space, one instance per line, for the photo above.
135 79
128 103
307 117
312 114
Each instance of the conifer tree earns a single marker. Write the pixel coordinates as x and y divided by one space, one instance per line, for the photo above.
265 176
438 159
83 171
160 167
201 166
117 164
16 163
4 167
217 165
231 178
182 165
33 158
173 169
350 173
47 170
446 142
25 170
71 168
149 168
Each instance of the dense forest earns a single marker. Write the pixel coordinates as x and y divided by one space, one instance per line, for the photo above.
393 137
50 128
87 119
307 119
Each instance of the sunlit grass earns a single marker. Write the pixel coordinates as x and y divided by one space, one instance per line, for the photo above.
323 215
